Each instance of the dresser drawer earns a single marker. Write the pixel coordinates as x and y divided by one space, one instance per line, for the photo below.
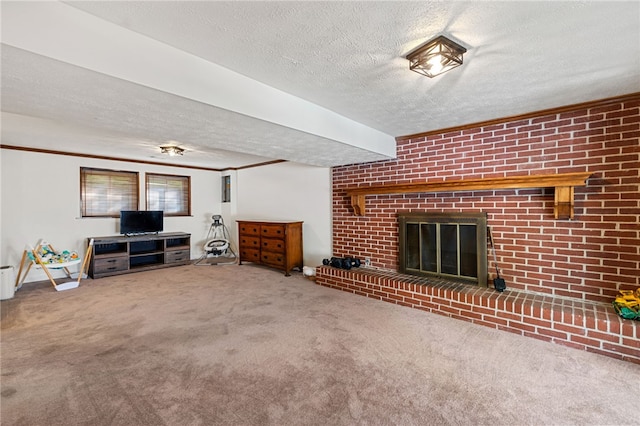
250 255
273 231
273 245
177 256
249 242
112 264
249 228
273 259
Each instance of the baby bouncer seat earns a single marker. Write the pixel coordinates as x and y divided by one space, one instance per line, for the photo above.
44 256
217 245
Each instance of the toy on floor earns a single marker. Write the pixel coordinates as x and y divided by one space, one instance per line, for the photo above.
627 304
44 256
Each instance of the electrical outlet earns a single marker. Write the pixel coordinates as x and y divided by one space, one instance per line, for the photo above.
367 261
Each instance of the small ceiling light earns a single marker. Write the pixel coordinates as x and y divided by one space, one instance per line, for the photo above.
436 56
171 150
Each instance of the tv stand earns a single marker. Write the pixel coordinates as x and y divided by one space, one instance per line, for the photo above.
124 254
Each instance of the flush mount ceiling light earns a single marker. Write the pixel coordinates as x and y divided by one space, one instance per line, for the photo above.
436 56
171 150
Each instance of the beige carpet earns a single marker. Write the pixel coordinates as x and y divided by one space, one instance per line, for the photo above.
245 345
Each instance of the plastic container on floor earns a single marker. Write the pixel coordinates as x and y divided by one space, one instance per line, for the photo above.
7 282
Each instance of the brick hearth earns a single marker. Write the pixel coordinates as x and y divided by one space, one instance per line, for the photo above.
590 326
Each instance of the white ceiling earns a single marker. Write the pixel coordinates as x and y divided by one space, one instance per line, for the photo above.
321 83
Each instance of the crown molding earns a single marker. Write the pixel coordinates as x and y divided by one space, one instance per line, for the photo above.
154 163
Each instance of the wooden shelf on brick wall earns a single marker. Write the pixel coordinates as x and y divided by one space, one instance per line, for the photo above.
563 184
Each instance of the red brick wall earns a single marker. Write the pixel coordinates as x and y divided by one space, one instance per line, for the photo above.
590 257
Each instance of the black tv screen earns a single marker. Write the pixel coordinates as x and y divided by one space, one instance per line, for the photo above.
141 221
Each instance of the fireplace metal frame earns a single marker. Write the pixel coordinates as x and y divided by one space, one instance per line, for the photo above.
477 219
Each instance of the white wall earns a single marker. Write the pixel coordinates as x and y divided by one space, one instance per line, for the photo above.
41 199
289 191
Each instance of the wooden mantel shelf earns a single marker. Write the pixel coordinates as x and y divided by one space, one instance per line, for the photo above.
563 184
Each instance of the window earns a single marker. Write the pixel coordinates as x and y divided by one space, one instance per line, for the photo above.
169 193
103 193
226 189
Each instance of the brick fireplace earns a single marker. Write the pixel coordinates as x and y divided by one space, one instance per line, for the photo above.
551 265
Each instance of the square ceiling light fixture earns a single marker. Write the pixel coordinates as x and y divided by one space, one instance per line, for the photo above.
171 150
436 56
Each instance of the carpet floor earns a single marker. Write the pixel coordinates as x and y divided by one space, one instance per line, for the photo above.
244 345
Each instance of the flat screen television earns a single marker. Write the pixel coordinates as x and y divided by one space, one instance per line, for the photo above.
141 221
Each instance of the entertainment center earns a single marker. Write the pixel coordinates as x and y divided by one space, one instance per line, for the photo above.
115 255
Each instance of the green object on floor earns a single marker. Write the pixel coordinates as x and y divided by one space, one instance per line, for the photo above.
625 312
627 304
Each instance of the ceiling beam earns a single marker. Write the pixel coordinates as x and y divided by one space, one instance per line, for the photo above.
62 32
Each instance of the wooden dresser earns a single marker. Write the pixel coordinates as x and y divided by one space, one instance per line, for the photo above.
277 244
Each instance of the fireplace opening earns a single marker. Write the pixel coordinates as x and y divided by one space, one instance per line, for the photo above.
444 245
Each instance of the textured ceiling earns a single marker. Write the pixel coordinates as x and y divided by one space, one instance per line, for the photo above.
345 57
127 117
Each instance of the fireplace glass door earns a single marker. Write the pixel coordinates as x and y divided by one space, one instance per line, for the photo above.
446 245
